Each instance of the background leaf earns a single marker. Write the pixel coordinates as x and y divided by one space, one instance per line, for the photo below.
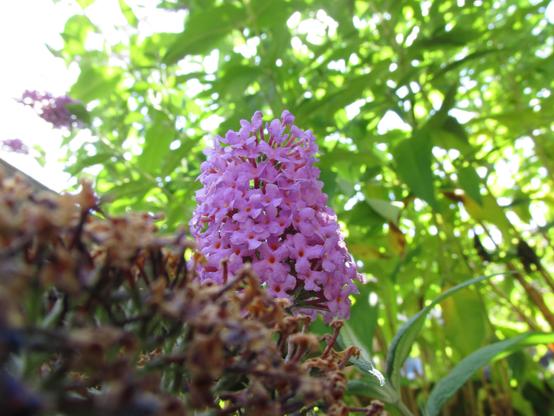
470 183
128 13
204 29
465 321
413 163
95 83
404 339
446 387
158 137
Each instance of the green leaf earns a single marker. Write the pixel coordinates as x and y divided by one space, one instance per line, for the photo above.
175 158
404 339
368 387
204 29
85 3
374 383
236 79
447 386
367 367
465 321
94 83
385 209
131 189
453 126
269 13
468 58
447 104
456 37
86 162
80 111
445 130
372 388
128 13
520 205
347 163
451 135
280 42
158 137
75 34
363 215
336 99
413 163
470 182
359 329
521 405
488 211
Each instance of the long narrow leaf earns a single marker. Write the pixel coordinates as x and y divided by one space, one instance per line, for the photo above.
364 362
405 337
447 386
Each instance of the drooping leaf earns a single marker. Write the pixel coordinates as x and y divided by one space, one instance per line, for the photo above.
368 387
130 189
85 3
451 135
128 13
413 164
334 100
453 126
455 37
89 161
360 327
95 83
447 386
75 33
158 137
397 240
80 111
236 79
465 321
387 210
269 13
204 29
375 388
363 215
470 182
488 211
404 339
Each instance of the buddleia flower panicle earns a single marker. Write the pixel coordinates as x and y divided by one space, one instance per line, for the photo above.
262 203
51 108
14 145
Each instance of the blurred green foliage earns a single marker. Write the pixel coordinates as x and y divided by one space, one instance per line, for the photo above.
434 121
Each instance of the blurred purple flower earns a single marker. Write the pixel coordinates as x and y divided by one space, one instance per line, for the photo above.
51 109
413 368
15 145
262 203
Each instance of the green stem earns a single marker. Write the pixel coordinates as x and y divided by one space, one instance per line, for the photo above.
394 399
403 409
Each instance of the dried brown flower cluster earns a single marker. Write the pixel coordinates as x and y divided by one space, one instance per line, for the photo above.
102 316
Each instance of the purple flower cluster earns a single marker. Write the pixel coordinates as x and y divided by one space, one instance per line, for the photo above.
50 108
262 203
15 145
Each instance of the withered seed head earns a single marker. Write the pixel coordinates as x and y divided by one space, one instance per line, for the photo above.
121 326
